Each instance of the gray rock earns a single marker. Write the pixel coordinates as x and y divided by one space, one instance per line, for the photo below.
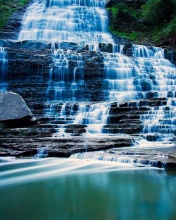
170 54
59 146
13 107
128 50
106 47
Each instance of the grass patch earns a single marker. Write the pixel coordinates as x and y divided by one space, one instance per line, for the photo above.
131 36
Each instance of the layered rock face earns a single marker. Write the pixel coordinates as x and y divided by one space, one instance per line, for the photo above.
88 95
70 95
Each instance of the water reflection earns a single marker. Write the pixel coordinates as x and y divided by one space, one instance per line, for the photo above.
87 190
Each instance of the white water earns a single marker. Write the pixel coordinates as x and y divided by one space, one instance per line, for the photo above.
160 121
15 171
95 116
102 156
144 75
66 83
128 78
133 79
3 69
80 21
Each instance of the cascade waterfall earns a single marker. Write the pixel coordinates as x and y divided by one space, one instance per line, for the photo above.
108 103
143 75
79 21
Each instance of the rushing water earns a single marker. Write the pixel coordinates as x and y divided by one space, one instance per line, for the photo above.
79 21
144 74
66 84
52 189
3 69
147 74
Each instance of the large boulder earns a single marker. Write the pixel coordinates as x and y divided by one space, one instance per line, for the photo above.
13 108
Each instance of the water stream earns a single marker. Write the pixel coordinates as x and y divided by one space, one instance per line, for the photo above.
77 21
3 69
144 74
66 83
52 189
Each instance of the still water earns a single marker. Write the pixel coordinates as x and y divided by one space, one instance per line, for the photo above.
59 189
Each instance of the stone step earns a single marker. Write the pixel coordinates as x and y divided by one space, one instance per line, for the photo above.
27 132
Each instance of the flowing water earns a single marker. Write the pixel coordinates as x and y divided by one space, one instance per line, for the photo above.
142 75
79 21
52 189
3 69
64 83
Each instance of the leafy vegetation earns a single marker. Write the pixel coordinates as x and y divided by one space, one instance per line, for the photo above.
154 20
7 8
159 11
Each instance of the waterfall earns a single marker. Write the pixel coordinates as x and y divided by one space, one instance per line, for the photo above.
132 77
147 74
103 157
41 153
94 116
160 122
3 69
79 21
66 83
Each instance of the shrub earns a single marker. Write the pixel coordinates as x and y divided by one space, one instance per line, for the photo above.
159 12
170 29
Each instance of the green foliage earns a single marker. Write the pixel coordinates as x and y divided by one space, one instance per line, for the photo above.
170 29
23 2
123 16
162 15
7 8
159 12
125 11
122 10
131 36
154 20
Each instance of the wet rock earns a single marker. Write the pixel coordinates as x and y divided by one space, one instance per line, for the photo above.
128 50
170 54
13 108
35 45
160 157
151 94
75 129
144 157
68 46
106 47
60 147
